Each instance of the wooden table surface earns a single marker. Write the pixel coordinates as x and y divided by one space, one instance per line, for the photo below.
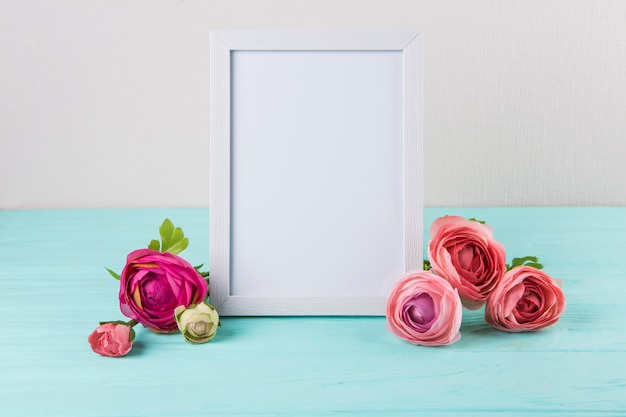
54 290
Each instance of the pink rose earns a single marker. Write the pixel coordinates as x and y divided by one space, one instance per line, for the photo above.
424 309
526 299
153 284
112 339
465 253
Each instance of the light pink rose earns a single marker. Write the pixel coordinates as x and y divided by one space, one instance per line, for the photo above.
153 284
424 309
111 339
465 253
526 299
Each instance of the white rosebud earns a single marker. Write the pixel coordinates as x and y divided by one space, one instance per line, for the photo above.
198 323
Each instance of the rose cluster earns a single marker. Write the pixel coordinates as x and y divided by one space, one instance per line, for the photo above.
467 267
162 292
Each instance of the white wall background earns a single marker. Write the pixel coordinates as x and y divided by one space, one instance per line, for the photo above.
106 103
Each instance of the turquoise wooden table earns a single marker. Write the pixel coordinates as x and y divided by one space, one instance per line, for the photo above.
54 290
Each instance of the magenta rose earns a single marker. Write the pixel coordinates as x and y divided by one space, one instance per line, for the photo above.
526 299
424 309
465 253
112 339
153 284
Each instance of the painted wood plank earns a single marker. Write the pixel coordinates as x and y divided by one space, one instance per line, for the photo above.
54 290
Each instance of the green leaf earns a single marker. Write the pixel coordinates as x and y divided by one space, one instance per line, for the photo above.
176 237
113 273
166 231
531 261
203 274
477 221
521 261
113 322
178 247
427 266
173 239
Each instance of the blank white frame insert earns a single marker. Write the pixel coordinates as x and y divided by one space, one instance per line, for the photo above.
315 170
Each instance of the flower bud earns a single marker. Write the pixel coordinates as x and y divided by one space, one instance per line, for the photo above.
198 323
112 339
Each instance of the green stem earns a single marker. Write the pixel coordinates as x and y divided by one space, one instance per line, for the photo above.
132 323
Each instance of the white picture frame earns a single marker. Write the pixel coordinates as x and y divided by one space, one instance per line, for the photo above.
269 211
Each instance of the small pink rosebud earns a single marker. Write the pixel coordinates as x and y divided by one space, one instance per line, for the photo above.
112 339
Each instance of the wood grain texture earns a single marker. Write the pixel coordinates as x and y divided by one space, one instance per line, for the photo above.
54 290
219 168
413 161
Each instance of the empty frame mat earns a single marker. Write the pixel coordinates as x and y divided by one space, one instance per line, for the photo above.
316 186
